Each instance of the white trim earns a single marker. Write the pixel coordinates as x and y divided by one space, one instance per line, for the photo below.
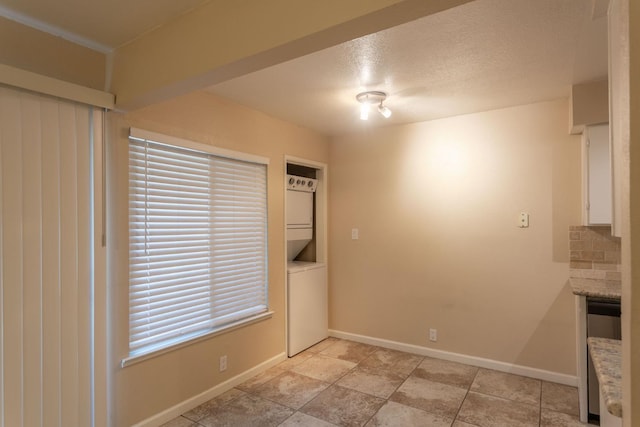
20 18
199 399
584 158
321 213
322 221
34 82
496 365
148 135
304 162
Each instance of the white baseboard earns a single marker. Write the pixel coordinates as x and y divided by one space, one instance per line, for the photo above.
187 405
526 371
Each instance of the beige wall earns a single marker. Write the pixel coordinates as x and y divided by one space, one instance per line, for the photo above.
149 387
436 204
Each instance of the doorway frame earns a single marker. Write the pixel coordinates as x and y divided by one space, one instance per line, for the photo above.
321 221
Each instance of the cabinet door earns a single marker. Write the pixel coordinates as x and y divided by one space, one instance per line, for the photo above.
598 179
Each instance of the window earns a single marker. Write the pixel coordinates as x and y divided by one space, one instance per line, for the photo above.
197 240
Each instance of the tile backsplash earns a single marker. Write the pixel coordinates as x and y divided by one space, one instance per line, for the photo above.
594 253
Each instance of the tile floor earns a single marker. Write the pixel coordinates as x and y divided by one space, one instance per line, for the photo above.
344 383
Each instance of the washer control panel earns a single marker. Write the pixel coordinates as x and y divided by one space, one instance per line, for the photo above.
299 183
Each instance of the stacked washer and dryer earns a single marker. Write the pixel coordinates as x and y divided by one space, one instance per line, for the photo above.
307 300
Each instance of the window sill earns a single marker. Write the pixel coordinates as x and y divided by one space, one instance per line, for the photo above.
132 360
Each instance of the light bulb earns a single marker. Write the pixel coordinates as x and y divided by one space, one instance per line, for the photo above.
386 112
364 111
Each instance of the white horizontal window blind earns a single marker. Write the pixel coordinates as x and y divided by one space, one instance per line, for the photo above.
197 243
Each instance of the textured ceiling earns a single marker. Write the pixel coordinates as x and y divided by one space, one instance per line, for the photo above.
483 55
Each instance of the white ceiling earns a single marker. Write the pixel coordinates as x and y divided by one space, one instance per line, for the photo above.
482 55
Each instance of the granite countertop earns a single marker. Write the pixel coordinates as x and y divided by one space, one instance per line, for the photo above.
607 361
597 288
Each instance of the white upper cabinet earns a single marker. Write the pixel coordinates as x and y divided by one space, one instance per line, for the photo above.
596 175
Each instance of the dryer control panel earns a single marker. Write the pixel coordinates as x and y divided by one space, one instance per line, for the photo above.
299 183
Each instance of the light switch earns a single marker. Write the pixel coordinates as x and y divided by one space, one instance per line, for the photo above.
354 234
523 220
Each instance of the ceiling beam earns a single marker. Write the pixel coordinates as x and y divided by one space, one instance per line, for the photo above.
226 39
35 82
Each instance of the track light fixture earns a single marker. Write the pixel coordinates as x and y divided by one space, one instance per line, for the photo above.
367 99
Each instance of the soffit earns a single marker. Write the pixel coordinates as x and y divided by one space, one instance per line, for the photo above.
101 25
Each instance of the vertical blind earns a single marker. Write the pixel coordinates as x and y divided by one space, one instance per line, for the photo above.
46 259
197 242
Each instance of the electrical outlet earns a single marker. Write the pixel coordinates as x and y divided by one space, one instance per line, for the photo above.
355 234
433 334
223 363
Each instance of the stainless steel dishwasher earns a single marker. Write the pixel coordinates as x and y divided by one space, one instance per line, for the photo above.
603 321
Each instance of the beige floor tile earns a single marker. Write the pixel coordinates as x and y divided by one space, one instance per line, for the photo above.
248 410
462 424
303 420
255 382
324 368
436 398
294 361
179 422
203 410
444 371
550 418
378 383
291 389
391 360
507 386
322 345
560 398
349 350
343 383
342 406
488 411
394 414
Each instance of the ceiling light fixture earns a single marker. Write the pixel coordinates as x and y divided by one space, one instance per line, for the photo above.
366 99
